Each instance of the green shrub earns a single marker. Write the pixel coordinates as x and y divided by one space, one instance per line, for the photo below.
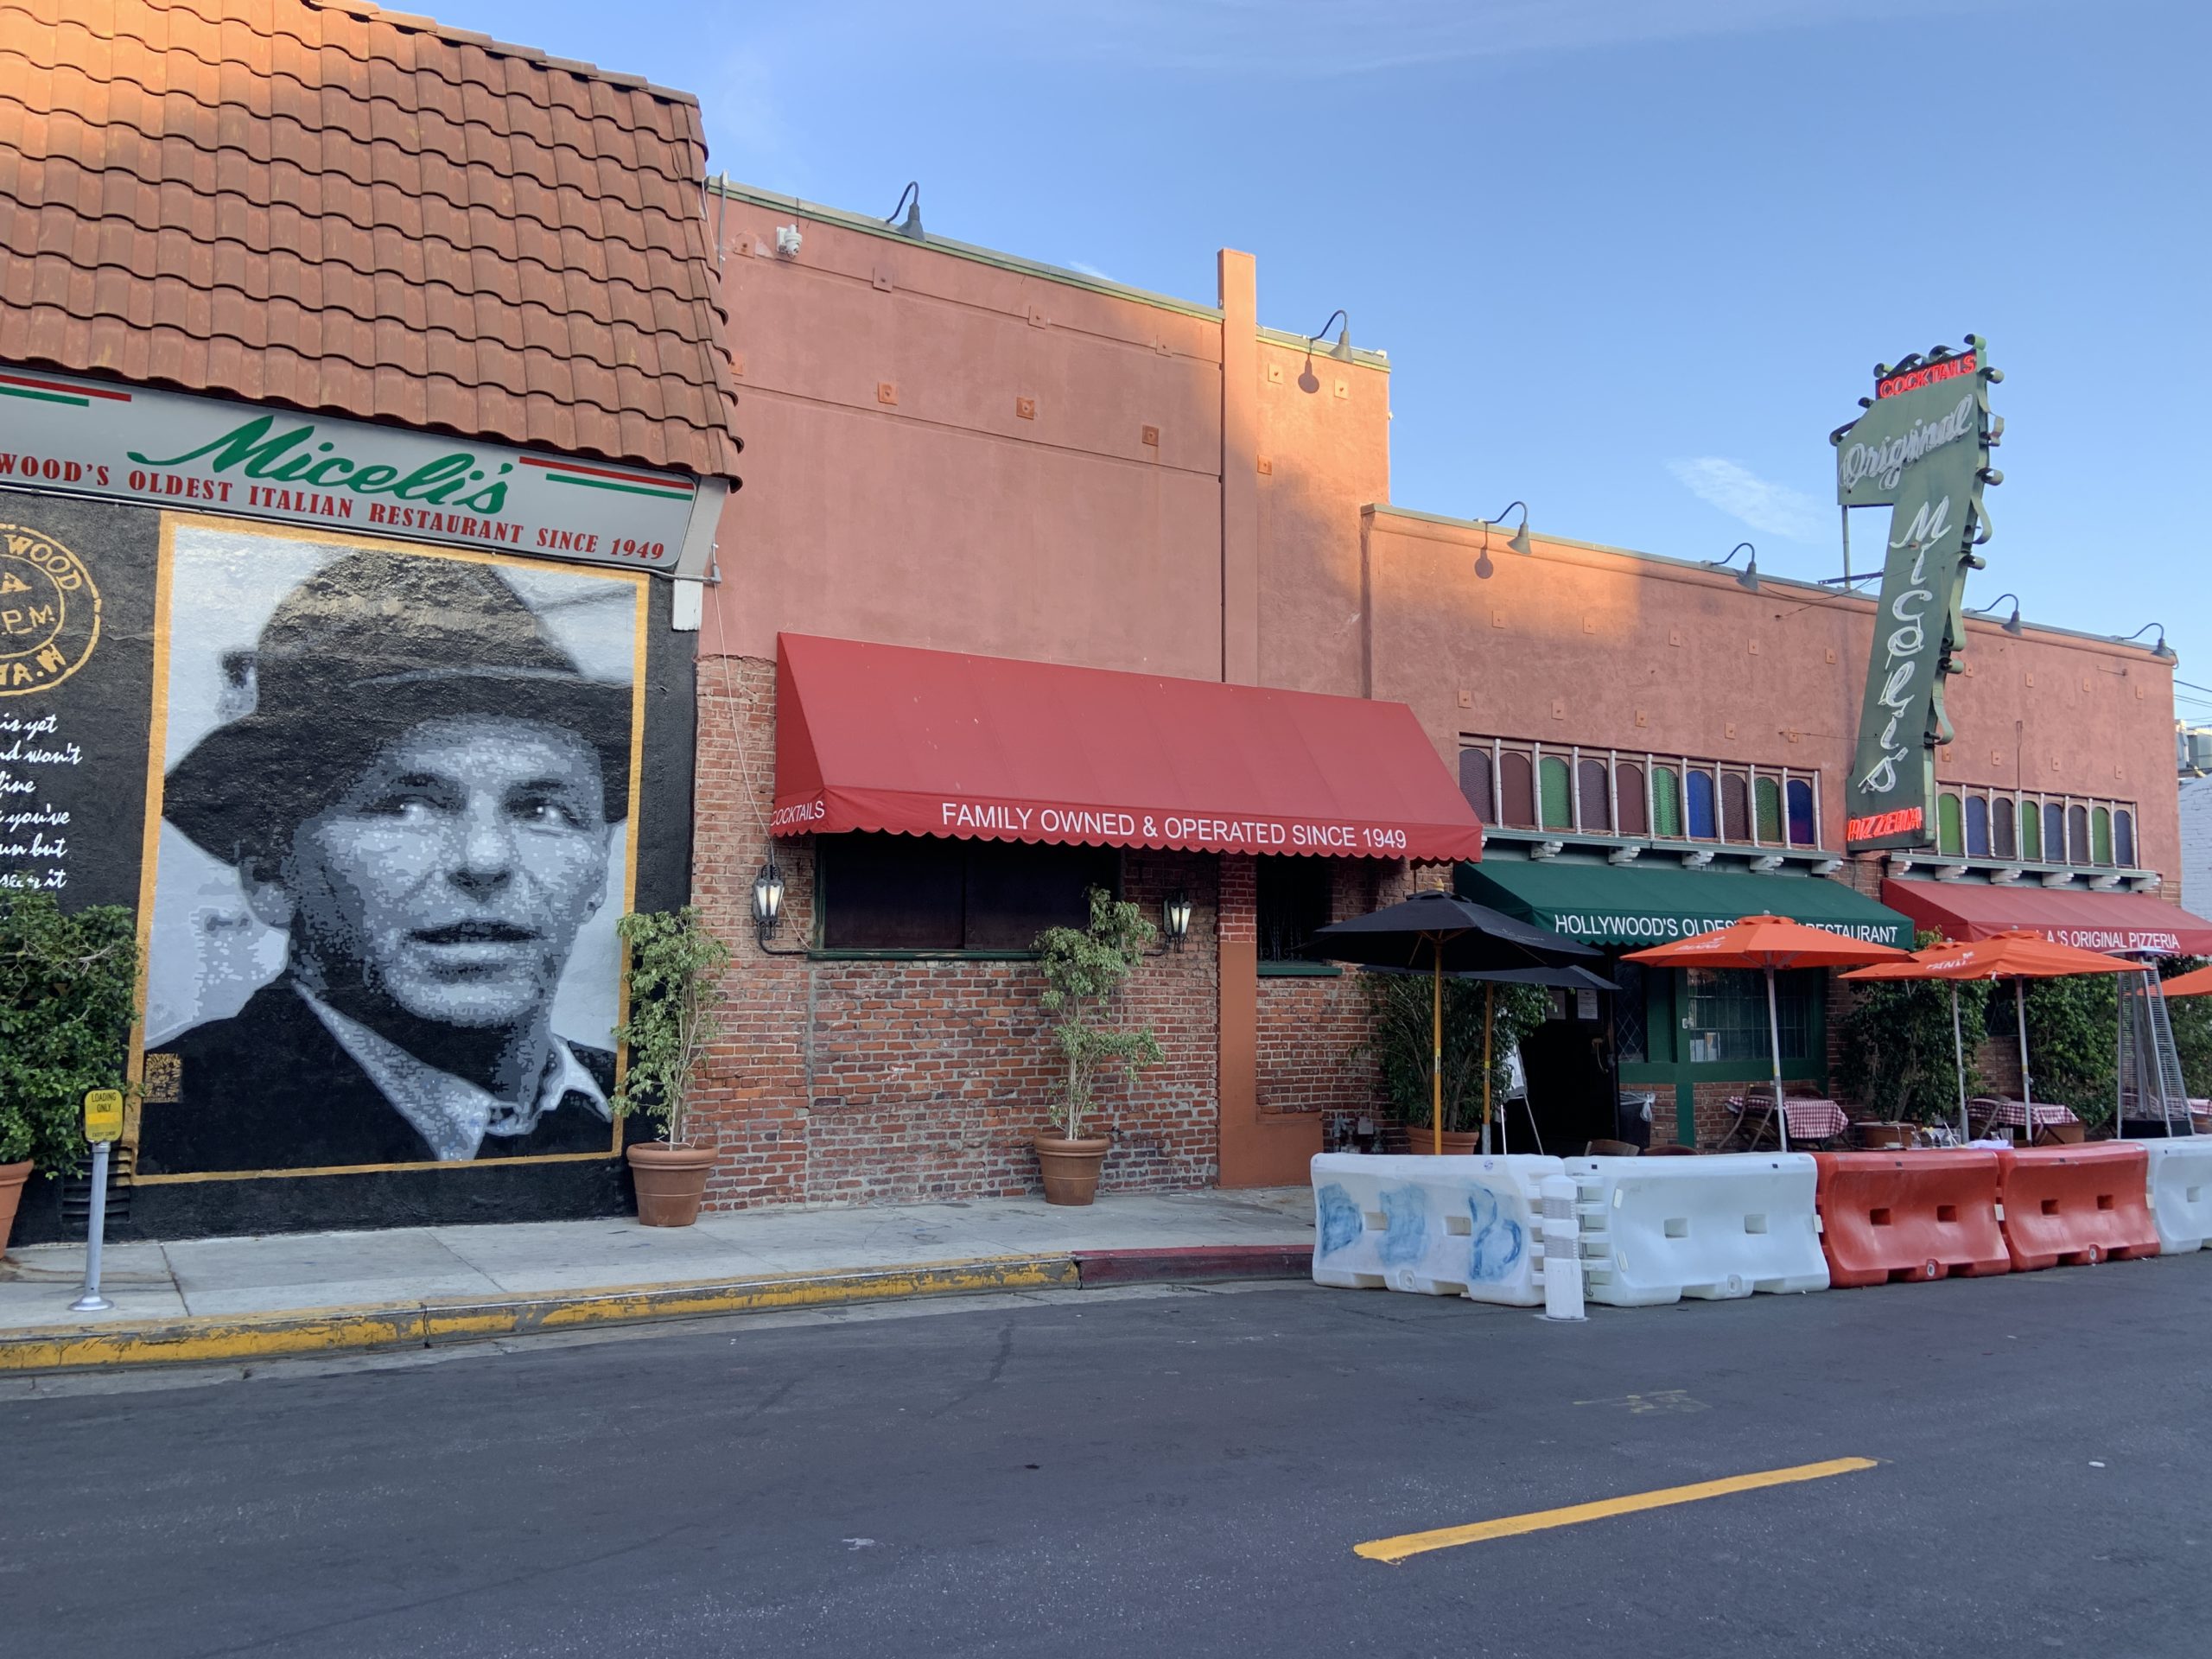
2073 1044
2191 1019
675 966
1896 1052
1083 969
68 991
1399 1009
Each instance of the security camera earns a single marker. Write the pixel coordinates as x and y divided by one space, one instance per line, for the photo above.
787 240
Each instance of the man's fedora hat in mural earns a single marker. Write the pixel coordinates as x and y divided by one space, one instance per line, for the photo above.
370 646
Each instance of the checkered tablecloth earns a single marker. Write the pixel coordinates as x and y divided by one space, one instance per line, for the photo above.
2013 1114
1809 1120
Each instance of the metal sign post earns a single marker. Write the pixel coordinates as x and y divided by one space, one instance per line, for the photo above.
103 1127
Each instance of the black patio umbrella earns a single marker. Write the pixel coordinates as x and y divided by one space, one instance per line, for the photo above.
1443 933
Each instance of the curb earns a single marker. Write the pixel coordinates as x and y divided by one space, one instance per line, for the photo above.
1194 1264
422 1325
215 1339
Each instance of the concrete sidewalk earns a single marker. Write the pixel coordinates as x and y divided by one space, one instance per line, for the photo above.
220 1299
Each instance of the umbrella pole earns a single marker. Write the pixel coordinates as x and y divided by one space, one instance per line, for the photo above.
1436 1051
2027 1094
1774 1032
1958 1055
1490 1003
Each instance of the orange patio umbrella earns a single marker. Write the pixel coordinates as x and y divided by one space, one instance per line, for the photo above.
2198 981
2018 956
1770 943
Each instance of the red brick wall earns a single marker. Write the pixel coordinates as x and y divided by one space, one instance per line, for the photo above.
845 1081
1308 1025
1307 1029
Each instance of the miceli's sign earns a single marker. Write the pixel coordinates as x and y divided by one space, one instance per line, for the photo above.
208 454
1922 450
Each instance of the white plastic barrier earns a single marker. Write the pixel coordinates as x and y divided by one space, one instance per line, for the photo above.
1657 1229
1465 1227
2181 1192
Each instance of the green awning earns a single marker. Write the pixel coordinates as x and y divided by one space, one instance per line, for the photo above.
1650 904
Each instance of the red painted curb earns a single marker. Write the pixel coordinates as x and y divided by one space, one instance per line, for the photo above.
1193 1264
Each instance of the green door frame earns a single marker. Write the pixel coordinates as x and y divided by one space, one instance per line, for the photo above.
1665 996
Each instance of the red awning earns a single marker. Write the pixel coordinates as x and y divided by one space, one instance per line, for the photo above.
2089 921
938 743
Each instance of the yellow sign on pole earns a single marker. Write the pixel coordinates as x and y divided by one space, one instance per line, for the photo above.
104 1114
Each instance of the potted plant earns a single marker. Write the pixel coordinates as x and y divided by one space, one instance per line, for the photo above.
68 987
1083 969
676 964
1400 1040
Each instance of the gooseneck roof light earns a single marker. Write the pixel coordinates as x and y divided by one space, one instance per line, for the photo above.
2162 650
1518 542
2011 624
911 227
1748 577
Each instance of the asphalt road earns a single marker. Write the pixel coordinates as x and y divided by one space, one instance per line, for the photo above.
1175 1472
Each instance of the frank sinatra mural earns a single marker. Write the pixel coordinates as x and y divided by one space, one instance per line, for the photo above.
377 806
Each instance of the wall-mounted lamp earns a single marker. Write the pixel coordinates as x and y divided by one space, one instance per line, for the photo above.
2011 624
1342 350
1175 919
767 899
1518 542
1748 577
911 227
2162 650
1309 382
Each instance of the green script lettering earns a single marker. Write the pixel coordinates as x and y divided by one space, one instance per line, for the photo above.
249 443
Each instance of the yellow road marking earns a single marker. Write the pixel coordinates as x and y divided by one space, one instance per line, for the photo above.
1511 1526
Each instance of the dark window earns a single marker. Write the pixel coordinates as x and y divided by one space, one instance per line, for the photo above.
1589 784
1735 807
1475 784
1702 826
2001 841
2077 835
2123 832
1631 1036
1977 827
1950 838
1293 906
1516 791
1628 784
1727 1014
1802 831
920 893
1768 796
2054 833
1559 810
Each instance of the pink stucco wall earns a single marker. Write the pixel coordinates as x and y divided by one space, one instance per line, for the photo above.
941 451
1581 645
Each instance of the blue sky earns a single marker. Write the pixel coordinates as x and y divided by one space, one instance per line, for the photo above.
1632 259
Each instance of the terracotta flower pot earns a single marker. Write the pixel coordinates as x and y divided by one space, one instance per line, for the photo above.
12 1177
1882 1136
1458 1143
671 1182
1070 1167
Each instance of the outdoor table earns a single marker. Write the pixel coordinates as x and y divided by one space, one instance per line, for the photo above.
1810 1119
2013 1114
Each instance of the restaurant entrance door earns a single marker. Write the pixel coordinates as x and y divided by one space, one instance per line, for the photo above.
1570 1064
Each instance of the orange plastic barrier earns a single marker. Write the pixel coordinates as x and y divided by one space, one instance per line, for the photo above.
2076 1205
1891 1217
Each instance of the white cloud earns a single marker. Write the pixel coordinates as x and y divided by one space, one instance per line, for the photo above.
1775 509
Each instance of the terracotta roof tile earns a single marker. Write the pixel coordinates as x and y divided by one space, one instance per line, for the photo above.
320 203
